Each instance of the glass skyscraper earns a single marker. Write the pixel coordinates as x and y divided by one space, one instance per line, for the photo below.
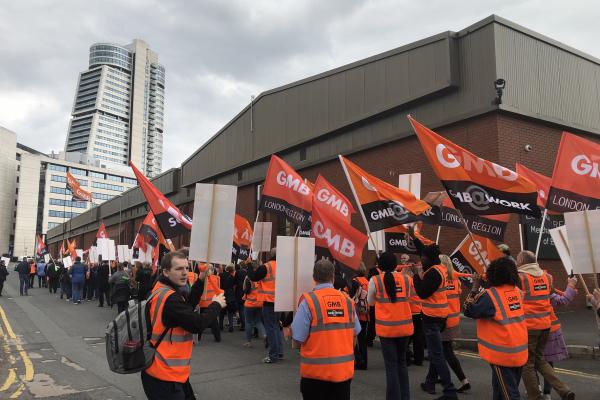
118 109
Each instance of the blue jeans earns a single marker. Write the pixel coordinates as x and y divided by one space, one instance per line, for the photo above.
396 373
253 319
274 336
437 361
77 291
23 284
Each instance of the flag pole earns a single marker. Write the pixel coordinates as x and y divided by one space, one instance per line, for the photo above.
437 237
539 241
521 236
472 238
362 213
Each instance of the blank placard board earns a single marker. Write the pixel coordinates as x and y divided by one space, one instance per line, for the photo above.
295 262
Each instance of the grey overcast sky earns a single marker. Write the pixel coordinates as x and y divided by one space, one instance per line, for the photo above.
219 53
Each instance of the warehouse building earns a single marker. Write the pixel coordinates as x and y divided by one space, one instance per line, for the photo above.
496 88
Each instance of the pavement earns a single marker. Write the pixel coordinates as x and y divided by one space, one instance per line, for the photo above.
53 349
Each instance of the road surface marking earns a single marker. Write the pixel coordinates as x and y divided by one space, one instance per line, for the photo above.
10 379
28 364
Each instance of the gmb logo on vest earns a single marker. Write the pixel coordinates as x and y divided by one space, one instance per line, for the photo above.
540 286
399 289
334 307
513 302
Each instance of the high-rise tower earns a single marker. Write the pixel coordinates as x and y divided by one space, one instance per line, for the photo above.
118 109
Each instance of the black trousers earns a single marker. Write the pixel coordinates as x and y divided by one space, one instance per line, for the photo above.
1 287
418 340
360 350
52 284
103 292
371 327
505 382
214 327
314 389
156 389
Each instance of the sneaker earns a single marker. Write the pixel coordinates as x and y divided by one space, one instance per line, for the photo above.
427 387
248 344
268 360
464 388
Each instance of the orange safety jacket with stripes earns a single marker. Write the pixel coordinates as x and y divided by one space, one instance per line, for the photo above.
251 298
213 283
266 286
436 305
173 355
536 300
328 352
502 339
453 289
393 319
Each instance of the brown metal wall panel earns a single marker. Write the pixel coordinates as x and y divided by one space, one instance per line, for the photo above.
337 100
355 93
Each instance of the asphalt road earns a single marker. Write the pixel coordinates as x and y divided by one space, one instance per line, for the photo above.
53 349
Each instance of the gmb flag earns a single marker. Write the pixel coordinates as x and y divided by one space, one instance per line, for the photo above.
41 248
576 178
242 238
331 198
75 187
541 182
286 193
476 186
170 219
382 205
467 259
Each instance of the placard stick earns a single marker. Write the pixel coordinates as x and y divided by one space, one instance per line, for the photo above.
295 303
521 236
564 240
437 237
537 248
472 238
589 238
210 224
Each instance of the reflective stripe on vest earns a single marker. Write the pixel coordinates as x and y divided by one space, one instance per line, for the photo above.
536 300
436 305
173 362
503 349
328 352
266 288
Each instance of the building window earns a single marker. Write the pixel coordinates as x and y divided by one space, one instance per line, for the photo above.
76 171
67 203
17 191
97 175
114 178
17 178
18 157
130 181
53 225
102 196
18 167
59 190
107 186
61 214
58 178
55 167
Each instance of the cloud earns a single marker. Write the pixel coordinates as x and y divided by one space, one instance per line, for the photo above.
217 54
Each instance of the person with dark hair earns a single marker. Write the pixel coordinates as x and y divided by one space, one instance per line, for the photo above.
389 294
501 328
430 285
173 308
240 277
537 286
120 290
52 274
77 272
144 280
326 369
228 286
3 275
102 284
23 269
374 271
359 293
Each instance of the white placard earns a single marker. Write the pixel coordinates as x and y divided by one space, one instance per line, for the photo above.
46 258
106 248
79 253
580 243
111 250
93 254
121 252
561 242
67 262
411 183
301 252
377 238
6 260
261 241
212 230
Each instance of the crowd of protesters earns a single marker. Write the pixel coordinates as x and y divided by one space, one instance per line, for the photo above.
408 304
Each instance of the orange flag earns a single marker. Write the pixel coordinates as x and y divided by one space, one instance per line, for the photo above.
476 186
328 196
382 205
75 187
467 259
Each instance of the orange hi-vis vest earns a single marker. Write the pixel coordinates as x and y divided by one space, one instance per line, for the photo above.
210 290
328 353
536 300
436 305
502 340
251 299
266 287
364 284
393 319
416 307
192 277
173 355
554 321
453 295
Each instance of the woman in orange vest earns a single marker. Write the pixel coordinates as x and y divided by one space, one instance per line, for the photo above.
173 324
211 288
452 330
430 285
389 294
501 328
324 327
358 292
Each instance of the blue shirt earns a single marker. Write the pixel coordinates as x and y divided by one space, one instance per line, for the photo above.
303 318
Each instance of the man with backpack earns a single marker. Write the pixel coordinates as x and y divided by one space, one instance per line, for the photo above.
168 375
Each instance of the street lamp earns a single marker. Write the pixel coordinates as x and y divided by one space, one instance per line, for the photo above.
499 85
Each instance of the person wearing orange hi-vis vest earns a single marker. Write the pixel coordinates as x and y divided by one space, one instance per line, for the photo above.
358 292
324 327
389 293
430 285
265 275
537 288
172 312
211 288
452 330
501 327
